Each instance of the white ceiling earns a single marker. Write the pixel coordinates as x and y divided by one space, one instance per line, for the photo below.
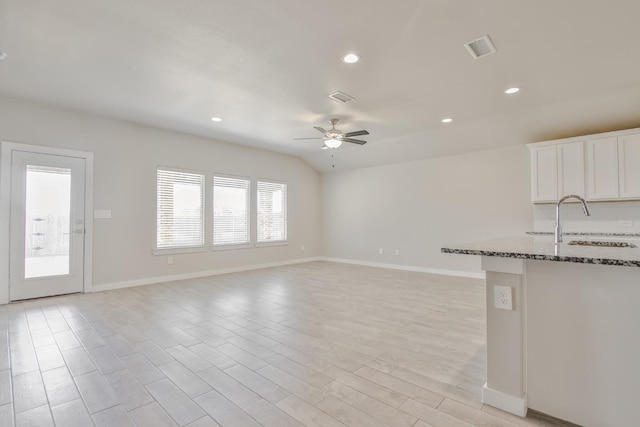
267 68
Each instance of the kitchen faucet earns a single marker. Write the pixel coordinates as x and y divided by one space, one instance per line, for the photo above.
585 208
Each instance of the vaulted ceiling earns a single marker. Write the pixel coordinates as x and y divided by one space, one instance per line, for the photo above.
267 67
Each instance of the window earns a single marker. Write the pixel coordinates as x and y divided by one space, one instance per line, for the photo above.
272 212
230 211
180 209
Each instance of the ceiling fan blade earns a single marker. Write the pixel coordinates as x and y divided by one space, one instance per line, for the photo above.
355 141
300 139
320 129
356 133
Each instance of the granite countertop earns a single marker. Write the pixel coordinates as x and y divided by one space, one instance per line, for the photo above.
583 233
541 247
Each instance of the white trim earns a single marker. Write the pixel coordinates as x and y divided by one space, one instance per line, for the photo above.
179 250
197 274
624 132
230 247
457 273
88 222
182 170
5 206
274 243
506 402
6 148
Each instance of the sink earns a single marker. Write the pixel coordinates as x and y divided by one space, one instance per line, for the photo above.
602 244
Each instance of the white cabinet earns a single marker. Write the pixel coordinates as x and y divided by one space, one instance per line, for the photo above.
557 170
602 169
598 167
544 174
571 169
629 166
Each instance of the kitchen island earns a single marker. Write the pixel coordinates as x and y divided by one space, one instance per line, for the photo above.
567 340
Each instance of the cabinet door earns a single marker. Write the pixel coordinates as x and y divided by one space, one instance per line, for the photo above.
571 169
544 174
602 169
629 166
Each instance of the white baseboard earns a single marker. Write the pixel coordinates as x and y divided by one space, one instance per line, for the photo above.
506 402
195 275
457 273
198 274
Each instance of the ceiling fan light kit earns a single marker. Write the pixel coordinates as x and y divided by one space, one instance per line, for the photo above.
333 143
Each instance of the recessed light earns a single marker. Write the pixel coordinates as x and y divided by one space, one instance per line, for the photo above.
2 55
350 58
447 120
512 90
216 119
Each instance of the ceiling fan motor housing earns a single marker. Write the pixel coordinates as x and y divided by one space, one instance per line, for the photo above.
335 137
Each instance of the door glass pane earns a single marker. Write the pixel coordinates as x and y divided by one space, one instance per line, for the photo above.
48 221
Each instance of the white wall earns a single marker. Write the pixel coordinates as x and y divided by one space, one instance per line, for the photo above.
126 156
606 217
420 206
415 207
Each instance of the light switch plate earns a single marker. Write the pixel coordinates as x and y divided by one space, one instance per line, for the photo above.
502 297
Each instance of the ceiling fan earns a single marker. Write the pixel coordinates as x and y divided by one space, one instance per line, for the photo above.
333 138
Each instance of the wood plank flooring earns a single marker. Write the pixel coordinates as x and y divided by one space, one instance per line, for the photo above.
315 344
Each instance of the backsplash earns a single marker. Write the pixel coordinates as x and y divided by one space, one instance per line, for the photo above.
606 217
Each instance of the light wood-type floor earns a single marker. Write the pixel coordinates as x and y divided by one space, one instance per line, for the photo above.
316 344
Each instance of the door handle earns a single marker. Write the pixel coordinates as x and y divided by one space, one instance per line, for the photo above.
79 231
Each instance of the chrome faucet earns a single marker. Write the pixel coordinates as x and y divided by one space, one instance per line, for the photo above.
585 208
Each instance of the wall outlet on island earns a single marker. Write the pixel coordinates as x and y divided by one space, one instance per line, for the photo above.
502 297
381 251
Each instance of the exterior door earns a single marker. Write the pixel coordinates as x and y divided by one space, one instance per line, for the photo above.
47 236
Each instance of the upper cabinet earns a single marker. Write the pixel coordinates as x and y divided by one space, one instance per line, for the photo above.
571 169
602 169
597 167
544 174
629 166
556 170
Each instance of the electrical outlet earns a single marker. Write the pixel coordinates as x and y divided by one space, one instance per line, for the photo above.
302 248
625 223
170 259
381 251
397 251
502 297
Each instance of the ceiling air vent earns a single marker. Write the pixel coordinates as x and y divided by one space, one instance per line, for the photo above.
341 97
481 47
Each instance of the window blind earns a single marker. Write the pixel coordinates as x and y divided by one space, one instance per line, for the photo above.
272 212
230 211
180 209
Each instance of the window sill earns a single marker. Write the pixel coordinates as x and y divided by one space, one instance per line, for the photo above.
267 244
231 247
172 251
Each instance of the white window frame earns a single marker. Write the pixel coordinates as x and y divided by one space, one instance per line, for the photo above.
185 248
228 246
285 241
